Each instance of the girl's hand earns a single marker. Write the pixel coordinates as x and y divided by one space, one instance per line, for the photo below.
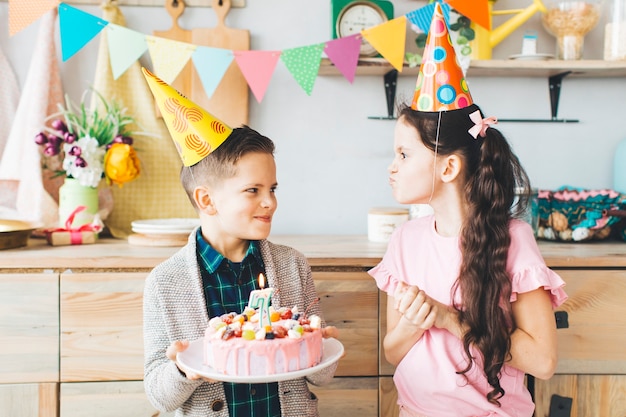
180 346
425 312
415 306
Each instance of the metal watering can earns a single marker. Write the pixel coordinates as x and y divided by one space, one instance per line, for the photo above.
485 40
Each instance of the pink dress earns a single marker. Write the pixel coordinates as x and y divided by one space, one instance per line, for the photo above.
426 377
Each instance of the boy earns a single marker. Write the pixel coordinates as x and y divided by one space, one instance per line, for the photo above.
230 178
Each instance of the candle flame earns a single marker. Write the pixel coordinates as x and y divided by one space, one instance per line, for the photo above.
261 280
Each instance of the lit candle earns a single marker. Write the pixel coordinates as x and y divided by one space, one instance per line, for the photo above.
261 299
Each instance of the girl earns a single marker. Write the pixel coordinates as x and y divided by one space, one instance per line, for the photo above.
472 303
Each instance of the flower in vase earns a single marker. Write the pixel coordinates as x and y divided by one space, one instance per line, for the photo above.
83 144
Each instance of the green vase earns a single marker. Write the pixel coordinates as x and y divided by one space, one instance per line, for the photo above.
72 195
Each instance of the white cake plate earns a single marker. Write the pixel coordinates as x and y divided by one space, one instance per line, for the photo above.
192 359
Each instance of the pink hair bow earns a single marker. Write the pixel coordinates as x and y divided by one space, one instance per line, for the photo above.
480 124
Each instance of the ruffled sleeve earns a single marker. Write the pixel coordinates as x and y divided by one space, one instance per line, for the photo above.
384 278
539 276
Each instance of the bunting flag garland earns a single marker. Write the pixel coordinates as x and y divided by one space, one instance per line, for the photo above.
24 12
257 68
169 57
424 15
382 37
129 46
344 54
77 29
216 62
304 64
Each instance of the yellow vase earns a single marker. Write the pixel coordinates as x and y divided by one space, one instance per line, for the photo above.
72 195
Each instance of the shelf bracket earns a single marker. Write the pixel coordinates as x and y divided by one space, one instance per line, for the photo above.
554 83
390 81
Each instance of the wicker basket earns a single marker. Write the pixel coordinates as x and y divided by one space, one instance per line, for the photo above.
576 215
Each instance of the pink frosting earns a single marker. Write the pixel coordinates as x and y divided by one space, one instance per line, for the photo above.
237 356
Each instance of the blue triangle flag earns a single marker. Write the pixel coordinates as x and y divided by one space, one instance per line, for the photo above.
77 29
211 65
423 16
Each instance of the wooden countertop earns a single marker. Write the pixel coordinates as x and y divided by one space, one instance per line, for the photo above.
322 250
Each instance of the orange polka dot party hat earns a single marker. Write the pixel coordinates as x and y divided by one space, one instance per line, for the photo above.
195 132
441 84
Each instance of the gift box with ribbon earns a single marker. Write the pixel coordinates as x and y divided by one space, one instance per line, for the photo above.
68 235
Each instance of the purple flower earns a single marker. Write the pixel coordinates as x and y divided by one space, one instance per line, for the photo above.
69 137
59 125
41 139
75 151
127 140
80 162
54 141
118 139
50 150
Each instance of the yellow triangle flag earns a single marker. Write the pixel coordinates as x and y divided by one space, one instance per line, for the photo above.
169 57
24 12
389 40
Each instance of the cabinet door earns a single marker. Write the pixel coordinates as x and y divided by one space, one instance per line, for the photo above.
349 301
592 395
348 396
29 327
101 326
106 399
592 345
594 342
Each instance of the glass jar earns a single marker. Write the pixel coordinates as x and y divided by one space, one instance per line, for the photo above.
569 21
615 32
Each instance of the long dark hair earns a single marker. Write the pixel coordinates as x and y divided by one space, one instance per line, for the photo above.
492 174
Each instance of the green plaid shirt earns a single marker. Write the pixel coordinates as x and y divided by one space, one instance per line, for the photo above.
227 286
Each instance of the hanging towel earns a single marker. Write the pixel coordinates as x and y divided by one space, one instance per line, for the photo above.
21 160
157 192
9 99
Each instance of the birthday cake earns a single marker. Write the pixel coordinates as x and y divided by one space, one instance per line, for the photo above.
237 344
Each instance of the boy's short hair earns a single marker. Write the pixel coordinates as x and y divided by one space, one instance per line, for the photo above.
221 163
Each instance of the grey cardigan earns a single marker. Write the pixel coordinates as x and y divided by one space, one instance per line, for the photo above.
174 308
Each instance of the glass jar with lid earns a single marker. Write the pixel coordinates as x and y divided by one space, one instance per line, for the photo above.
615 31
570 21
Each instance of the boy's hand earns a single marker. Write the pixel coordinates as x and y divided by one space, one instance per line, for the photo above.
180 346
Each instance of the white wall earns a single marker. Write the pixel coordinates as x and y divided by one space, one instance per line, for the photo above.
331 159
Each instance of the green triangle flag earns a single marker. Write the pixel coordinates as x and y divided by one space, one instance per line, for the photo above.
304 63
77 29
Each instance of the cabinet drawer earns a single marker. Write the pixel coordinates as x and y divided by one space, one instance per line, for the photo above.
349 301
595 339
29 328
105 399
348 396
101 326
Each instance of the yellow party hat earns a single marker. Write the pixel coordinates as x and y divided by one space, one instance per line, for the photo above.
441 84
195 132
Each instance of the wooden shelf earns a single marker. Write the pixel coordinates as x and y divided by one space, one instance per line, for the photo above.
499 68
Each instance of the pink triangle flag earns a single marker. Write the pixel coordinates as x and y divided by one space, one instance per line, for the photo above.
24 12
344 53
257 68
389 39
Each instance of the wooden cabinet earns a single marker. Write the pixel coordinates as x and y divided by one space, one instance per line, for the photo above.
71 329
592 349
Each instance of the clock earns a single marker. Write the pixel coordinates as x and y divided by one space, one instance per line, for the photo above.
350 17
